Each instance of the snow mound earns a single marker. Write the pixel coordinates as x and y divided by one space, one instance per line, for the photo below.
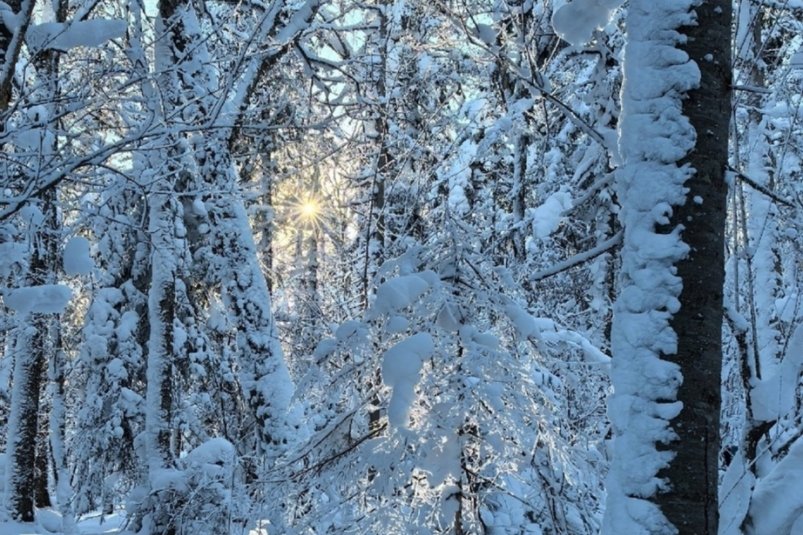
547 217
397 294
49 520
213 458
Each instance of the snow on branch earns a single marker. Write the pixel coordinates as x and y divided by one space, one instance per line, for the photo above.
65 36
576 21
761 189
44 299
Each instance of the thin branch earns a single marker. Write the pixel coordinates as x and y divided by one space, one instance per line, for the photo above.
751 89
761 189
579 258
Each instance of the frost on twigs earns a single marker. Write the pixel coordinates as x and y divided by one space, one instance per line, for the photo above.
654 136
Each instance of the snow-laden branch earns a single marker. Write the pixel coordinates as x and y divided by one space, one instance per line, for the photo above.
535 84
777 504
230 110
12 204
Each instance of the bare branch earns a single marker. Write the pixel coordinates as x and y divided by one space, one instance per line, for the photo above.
579 258
761 189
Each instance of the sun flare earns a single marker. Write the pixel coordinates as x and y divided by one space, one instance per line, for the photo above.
309 209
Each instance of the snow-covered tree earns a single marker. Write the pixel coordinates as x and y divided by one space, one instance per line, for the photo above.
667 324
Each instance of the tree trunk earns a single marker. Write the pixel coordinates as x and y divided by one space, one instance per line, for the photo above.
10 46
29 455
667 328
691 504
24 423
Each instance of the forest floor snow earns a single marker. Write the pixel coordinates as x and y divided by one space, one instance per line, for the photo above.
49 523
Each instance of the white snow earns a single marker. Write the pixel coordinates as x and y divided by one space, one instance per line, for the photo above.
397 324
777 502
397 294
401 365
525 324
44 299
11 254
91 524
213 458
547 217
575 21
458 177
350 328
654 136
76 257
64 36
734 498
797 59
49 520
775 396
199 208
168 478
442 458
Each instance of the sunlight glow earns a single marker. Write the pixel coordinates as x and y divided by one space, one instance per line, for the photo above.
309 209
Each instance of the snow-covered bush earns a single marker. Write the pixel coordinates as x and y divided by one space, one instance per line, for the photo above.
196 497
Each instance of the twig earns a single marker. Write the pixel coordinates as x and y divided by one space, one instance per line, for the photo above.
761 189
579 258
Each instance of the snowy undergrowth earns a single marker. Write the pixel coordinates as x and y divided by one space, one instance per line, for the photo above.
198 493
450 370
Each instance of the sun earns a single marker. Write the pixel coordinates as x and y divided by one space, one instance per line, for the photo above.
309 209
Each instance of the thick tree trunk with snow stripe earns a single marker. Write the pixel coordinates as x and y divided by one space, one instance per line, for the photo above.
29 459
237 272
668 316
691 504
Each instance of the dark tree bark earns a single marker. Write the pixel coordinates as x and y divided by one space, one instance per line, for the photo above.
691 504
10 46
24 424
29 459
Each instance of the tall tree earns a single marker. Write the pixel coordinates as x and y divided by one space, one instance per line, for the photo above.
668 316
